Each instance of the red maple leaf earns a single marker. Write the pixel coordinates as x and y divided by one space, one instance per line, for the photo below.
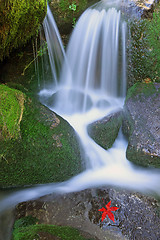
108 211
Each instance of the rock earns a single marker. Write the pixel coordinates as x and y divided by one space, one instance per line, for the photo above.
19 21
142 124
67 13
136 218
105 131
47 151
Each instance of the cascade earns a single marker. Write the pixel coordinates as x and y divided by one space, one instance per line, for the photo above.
91 85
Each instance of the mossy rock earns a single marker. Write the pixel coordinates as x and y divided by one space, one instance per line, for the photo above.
141 124
27 229
19 21
105 131
143 49
67 12
46 151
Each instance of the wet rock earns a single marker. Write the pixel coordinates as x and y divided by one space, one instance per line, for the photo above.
139 8
141 124
7 219
105 131
136 217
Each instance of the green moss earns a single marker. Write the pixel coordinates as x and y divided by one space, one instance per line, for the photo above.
48 151
67 12
141 89
11 111
19 21
144 49
32 232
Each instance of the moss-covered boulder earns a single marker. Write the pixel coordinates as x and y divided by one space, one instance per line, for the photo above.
141 124
37 145
19 21
105 131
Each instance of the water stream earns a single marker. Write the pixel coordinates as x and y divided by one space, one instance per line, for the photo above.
91 85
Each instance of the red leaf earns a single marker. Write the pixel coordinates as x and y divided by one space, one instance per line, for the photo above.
107 211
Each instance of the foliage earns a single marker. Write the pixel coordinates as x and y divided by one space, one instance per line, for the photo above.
26 231
144 49
153 38
66 12
19 21
73 8
11 111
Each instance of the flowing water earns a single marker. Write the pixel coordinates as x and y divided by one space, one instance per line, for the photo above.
91 85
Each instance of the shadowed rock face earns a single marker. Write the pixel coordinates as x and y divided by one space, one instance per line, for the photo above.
142 124
105 131
136 217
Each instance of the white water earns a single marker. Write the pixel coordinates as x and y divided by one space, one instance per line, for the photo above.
92 85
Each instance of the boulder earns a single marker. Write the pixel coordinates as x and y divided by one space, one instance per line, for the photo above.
105 131
36 146
141 124
136 218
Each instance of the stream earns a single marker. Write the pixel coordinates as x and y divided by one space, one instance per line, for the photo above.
92 85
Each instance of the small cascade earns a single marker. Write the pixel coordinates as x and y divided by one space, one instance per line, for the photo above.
97 60
92 84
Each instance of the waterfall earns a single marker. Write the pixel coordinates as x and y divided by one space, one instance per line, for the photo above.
96 62
88 84
55 47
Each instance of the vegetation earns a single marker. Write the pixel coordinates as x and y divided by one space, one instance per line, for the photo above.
11 112
27 229
144 49
19 21
141 89
66 13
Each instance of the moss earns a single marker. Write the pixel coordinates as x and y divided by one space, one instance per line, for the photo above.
145 89
26 228
11 111
19 21
144 49
48 150
142 159
67 12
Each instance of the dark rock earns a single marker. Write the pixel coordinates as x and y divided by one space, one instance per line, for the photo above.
142 124
105 131
136 217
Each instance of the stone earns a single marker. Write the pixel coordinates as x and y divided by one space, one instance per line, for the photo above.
137 217
105 131
141 124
